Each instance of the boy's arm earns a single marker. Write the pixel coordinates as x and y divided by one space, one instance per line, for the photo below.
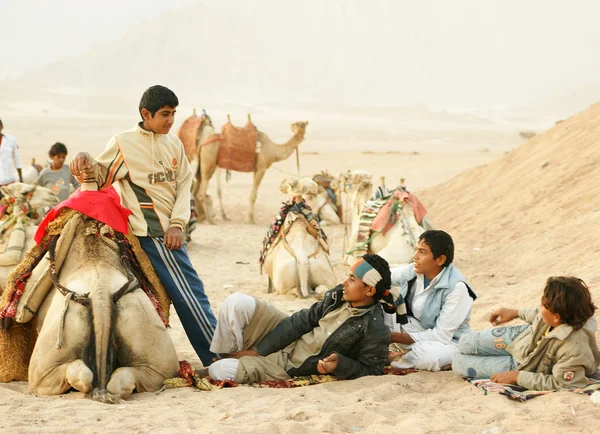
454 311
291 329
528 314
41 180
104 170
180 215
566 374
372 357
400 277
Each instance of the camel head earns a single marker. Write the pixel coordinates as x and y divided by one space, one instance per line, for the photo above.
299 128
288 186
313 194
34 196
357 180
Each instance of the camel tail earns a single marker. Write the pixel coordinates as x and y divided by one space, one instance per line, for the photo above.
101 353
302 266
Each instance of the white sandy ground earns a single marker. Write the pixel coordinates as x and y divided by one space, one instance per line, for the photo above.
511 232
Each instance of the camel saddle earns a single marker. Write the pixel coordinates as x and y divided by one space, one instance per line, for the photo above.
237 150
188 133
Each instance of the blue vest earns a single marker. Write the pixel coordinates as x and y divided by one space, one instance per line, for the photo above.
450 276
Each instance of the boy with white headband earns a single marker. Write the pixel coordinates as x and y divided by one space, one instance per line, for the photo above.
344 334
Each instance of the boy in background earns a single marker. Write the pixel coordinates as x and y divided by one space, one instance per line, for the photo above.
57 177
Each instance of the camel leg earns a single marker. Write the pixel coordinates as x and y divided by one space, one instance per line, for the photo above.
146 353
258 176
321 272
285 275
80 376
58 379
125 380
220 196
207 173
52 370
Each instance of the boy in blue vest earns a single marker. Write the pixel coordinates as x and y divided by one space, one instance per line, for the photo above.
438 303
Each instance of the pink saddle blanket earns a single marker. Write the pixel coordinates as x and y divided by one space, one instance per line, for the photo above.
382 216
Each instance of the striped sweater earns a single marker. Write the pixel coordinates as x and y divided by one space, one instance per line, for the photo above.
154 177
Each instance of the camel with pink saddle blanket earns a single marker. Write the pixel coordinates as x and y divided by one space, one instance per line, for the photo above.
388 224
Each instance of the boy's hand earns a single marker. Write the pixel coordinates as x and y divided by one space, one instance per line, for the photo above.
238 354
82 161
328 364
173 238
502 315
509 377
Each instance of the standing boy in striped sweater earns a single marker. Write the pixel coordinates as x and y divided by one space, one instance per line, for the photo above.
155 178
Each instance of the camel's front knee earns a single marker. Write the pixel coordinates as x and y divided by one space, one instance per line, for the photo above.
80 376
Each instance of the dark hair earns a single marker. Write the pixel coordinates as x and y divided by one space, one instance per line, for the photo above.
157 97
57 148
382 266
570 298
440 243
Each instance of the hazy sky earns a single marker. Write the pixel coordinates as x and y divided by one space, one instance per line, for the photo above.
504 51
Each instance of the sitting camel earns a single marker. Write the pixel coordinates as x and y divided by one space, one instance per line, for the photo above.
358 186
315 196
207 153
99 333
388 226
295 253
16 230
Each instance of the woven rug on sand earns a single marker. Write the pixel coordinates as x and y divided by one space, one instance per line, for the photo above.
187 377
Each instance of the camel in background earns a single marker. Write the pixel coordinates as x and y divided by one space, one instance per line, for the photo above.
207 152
16 229
299 259
396 245
315 196
358 186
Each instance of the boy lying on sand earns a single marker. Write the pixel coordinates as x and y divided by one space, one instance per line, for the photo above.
556 350
344 334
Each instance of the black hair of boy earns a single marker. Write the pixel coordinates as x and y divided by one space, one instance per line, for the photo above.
382 266
570 298
157 97
56 149
440 243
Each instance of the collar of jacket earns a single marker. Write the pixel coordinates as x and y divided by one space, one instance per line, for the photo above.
561 332
145 133
337 295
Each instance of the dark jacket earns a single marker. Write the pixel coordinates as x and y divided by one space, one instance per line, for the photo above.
361 342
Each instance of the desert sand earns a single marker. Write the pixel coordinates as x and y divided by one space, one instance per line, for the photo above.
517 217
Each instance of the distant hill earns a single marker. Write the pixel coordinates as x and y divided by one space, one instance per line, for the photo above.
264 54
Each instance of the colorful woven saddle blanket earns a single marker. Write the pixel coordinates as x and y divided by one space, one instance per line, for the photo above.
379 215
274 233
29 283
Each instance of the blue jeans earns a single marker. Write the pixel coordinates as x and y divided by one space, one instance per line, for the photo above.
483 354
182 283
